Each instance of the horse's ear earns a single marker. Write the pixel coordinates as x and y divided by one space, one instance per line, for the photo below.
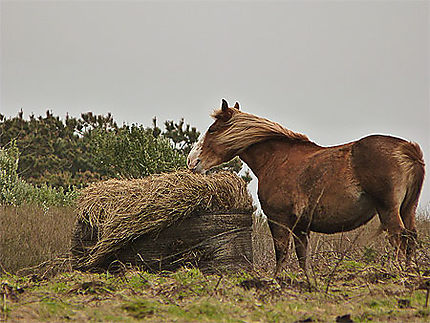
236 105
224 105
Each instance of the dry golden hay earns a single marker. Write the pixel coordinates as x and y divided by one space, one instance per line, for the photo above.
121 211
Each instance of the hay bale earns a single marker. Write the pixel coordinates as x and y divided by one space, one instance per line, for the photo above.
163 221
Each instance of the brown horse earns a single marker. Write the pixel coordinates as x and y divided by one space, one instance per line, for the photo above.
304 187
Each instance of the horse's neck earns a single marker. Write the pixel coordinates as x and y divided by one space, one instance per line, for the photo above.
270 153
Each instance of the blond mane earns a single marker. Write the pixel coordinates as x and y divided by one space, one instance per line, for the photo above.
247 129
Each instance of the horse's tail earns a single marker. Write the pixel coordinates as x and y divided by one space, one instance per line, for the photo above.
411 159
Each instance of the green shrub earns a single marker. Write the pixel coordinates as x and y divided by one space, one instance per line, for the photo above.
133 151
8 174
15 191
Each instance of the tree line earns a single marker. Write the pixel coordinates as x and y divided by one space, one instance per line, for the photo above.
73 152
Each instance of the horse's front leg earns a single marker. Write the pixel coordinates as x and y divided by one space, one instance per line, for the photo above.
281 237
301 239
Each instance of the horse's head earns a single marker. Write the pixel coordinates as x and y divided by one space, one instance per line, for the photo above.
210 150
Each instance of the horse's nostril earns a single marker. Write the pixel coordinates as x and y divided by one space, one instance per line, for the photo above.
195 165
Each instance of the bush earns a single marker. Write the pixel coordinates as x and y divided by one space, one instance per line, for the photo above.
133 151
15 191
8 174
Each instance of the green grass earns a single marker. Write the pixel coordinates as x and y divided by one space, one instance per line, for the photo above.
188 296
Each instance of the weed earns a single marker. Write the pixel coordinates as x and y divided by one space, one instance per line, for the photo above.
424 313
369 254
141 308
52 309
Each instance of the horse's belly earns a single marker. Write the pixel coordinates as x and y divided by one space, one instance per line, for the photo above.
345 215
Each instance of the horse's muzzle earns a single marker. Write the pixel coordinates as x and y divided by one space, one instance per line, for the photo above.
198 168
194 166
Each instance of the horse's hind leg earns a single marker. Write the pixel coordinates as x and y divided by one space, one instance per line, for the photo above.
409 237
393 223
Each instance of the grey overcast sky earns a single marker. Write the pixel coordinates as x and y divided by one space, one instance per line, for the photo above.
334 70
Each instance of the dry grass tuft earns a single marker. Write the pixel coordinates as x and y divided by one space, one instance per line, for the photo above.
30 235
327 251
120 211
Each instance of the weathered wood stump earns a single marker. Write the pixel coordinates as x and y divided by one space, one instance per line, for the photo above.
212 242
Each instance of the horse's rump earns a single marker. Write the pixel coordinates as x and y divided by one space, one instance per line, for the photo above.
410 157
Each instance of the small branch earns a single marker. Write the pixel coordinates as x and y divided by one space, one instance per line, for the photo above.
344 253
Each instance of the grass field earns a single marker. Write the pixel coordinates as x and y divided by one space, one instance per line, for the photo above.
351 277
